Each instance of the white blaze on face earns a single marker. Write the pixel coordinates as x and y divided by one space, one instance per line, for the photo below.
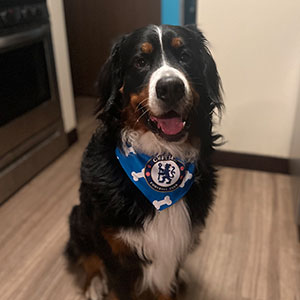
165 70
159 32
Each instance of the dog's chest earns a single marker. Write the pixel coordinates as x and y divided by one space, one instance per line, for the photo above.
165 242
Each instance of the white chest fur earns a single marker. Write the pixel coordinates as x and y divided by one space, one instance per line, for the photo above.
165 241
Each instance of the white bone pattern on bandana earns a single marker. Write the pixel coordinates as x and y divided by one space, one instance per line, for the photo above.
187 177
166 201
128 150
137 176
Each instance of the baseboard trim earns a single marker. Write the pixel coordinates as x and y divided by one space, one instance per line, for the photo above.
72 137
251 162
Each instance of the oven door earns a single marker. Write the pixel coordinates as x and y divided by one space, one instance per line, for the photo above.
28 88
31 127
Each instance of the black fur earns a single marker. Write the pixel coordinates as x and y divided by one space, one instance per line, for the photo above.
108 198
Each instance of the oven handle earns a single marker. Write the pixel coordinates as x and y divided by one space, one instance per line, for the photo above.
18 39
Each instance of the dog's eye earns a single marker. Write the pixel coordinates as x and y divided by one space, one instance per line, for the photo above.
140 63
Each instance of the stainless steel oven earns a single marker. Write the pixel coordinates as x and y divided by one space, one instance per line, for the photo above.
31 131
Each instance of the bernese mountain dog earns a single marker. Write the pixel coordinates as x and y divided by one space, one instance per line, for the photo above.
147 180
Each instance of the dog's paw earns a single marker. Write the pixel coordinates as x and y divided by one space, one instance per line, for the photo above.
97 290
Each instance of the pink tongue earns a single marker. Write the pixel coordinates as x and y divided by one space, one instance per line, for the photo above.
170 126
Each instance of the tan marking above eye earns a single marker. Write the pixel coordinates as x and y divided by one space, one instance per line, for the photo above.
147 48
177 42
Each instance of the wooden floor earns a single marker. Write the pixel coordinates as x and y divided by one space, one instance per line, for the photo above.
249 249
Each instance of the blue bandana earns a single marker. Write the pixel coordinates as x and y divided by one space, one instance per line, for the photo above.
163 179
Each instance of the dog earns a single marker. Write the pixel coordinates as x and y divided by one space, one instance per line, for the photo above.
147 179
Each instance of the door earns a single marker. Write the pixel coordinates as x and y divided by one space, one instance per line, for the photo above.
28 89
295 163
93 26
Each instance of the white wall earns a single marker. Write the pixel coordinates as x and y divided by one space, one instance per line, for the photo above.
256 44
59 37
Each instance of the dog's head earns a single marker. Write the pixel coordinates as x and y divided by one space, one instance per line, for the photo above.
161 79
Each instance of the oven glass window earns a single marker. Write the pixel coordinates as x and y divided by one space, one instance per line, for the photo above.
24 82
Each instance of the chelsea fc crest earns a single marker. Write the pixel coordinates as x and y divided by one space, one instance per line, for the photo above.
164 173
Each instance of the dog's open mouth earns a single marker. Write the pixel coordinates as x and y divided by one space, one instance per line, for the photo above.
170 123
171 126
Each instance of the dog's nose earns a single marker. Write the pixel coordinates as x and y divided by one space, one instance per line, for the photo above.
170 89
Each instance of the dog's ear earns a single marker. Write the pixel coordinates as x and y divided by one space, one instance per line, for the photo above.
110 82
212 80
210 74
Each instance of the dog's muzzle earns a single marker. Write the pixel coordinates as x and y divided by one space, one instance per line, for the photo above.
170 101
